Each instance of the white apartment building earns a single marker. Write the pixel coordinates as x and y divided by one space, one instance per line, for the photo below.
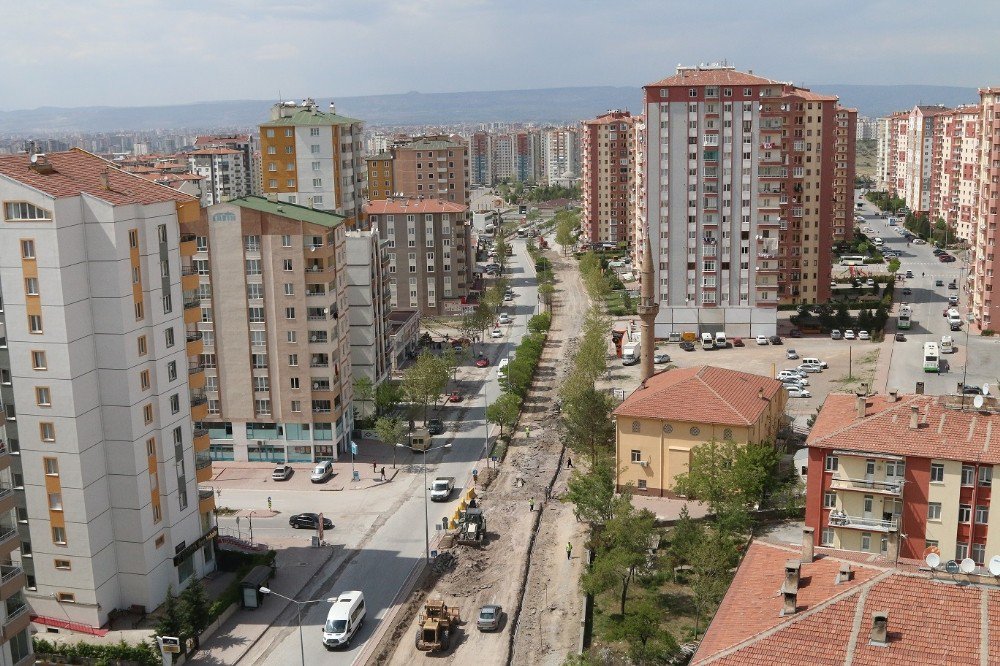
222 173
99 367
883 157
368 306
560 155
918 166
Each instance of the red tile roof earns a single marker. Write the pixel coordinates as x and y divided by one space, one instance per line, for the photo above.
400 205
611 117
929 621
221 140
215 151
702 394
945 431
712 77
77 172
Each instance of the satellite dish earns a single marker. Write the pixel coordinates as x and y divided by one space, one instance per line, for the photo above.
986 389
977 402
951 566
932 560
994 565
967 566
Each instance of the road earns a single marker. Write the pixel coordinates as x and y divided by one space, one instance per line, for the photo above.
395 545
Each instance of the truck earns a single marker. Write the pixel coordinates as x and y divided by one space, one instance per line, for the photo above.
471 527
441 488
436 624
630 353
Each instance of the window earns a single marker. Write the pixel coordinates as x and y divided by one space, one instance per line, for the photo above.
866 542
35 323
982 514
150 447
293 360
62 564
826 537
59 536
293 382
258 338
832 463
38 360
289 289
964 513
139 311
175 403
934 511
147 414
55 502
255 291
171 371
43 398
28 248
287 264
262 406
829 500
157 513
986 476
253 266
256 315
968 475
168 336
937 472
258 361
31 286
144 380
296 406
313 131
636 456
961 551
291 336
47 431
51 466
289 313
66 597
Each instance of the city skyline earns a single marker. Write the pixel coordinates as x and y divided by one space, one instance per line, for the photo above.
99 46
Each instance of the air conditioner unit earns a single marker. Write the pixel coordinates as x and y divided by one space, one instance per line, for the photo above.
643 463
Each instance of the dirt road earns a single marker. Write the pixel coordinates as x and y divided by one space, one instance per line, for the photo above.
496 572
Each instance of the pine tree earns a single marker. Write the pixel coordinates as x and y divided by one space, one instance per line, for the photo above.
194 609
171 620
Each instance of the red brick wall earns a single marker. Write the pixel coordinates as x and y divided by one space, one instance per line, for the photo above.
914 518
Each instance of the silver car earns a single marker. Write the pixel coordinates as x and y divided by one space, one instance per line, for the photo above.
489 617
797 392
811 367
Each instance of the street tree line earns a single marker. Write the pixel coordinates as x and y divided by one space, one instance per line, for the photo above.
505 410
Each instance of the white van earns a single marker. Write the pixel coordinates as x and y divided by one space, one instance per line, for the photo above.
707 341
947 344
814 361
344 619
720 340
502 367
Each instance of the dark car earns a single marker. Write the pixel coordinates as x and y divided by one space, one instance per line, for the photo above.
774 340
938 283
795 333
687 346
937 250
900 337
482 362
907 291
435 426
737 342
953 285
971 390
309 521
948 258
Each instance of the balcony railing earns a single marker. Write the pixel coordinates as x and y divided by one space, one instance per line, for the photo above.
7 533
192 303
199 432
9 572
194 336
5 489
205 493
201 462
195 369
15 610
890 487
198 400
838 519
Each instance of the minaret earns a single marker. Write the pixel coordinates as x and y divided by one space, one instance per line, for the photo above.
647 309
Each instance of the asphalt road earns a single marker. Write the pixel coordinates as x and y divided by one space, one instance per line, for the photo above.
390 552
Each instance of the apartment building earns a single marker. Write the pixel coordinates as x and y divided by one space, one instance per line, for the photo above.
560 156
983 262
432 167
430 253
900 474
923 153
747 182
368 306
954 181
222 174
248 147
103 394
899 124
481 158
267 285
607 177
314 158
883 133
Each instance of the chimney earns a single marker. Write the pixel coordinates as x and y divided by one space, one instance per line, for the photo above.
914 417
105 180
790 588
845 574
790 602
893 396
808 543
880 629
861 403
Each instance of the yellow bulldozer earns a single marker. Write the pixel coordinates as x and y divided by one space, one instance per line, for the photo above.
436 625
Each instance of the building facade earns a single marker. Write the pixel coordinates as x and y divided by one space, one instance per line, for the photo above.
560 156
607 178
923 155
249 149
271 322
481 159
368 306
222 174
104 396
675 411
432 167
983 260
429 245
956 174
314 158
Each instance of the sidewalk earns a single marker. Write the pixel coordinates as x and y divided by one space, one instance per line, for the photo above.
228 474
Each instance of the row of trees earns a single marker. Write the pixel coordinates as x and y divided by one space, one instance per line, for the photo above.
187 615
567 223
507 407
829 317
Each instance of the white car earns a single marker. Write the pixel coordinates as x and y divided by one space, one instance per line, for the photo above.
811 367
802 374
508 297
792 379
505 318
797 392
322 472
863 335
762 340
848 334
496 333
919 241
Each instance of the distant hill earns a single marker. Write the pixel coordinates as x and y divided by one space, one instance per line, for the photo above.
556 105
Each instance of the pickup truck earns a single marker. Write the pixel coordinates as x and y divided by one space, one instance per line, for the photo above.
441 488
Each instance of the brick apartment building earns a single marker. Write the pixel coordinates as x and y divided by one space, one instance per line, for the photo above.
432 167
607 177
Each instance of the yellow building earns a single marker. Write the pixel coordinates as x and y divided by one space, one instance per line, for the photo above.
674 411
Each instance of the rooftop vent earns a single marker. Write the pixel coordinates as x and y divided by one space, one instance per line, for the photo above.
914 417
880 629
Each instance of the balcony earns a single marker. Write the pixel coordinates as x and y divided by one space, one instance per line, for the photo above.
196 376
7 497
11 580
893 488
189 278
206 500
17 619
9 540
839 519
320 384
188 245
199 407
5 457
203 467
195 344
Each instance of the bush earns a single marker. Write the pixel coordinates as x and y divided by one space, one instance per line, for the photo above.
540 322
989 333
145 654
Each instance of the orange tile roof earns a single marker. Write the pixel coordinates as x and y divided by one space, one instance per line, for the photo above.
712 77
215 151
611 117
945 431
221 140
807 94
929 621
399 206
702 394
78 172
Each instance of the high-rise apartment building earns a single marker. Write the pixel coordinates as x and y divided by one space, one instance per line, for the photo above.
432 167
955 172
608 168
368 306
923 152
984 263
747 183
249 150
104 391
560 155
222 173
481 158
882 161
314 159
430 253
269 313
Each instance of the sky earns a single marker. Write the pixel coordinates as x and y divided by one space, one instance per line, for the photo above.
151 52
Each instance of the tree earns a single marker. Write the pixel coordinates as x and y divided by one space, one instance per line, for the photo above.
545 292
364 393
391 430
842 318
425 380
881 317
825 315
564 233
647 642
387 395
623 547
540 323
586 417
865 320
504 411
171 619
194 609
593 492
712 558
684 537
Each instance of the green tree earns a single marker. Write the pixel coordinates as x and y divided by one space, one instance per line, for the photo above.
364 393
824 312
504 411
592 492
842 318
684 537
586 417
194 609
540 323
712 558
391 430
171 618
865 320
623 547
425 380
647 642
545 291
387 395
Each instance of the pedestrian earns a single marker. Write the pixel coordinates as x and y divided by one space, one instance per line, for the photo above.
569 462
527 431
531 503
383 473
268 503
569 549
374 467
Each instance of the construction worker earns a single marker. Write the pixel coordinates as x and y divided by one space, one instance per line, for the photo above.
531 503
569 549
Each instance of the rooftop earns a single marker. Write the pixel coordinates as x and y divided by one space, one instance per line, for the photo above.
712 75
945 430
411 205
290 210
930 621
702 394
75 172
310 116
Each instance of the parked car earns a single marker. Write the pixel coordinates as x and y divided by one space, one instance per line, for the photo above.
863 335
919 241
482 362
505 318
737 342
687 346
761 339
907 291
797 392
953 285
309 521
953 300
811 367
489 618
774 340
455 396
661 358
786 376
281 473
909 274
849 334
435 427
938 283
791 355
900 337
947 258
496 333
802 374
836 335
322 472
795 333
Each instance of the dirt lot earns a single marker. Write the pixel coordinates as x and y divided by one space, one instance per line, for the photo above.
496 572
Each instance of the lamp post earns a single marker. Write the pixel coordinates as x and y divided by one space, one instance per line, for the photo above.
298 612
427 521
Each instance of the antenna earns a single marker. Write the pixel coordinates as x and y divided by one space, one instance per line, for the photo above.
933 560
986 388
977 402
967 566
951 566
994 565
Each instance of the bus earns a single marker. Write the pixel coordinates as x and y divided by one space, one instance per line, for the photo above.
903 322
932 358
852 260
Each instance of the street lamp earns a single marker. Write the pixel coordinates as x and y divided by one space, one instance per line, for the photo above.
427 522
298 611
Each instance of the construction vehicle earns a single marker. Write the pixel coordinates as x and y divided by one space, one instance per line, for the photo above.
472 526
435 625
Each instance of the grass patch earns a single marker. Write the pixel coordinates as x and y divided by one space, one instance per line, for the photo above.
863 372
